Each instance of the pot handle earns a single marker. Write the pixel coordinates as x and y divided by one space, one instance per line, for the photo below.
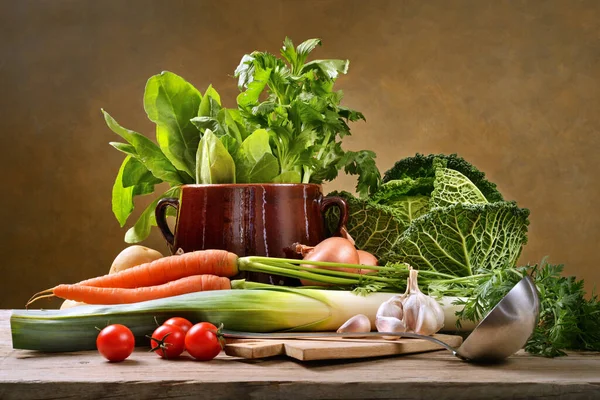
160 212
335 201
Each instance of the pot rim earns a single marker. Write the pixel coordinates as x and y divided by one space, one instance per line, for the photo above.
240 185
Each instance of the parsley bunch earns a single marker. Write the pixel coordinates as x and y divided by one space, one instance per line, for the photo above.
568 321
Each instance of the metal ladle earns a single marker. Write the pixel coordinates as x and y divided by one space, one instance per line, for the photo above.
503 331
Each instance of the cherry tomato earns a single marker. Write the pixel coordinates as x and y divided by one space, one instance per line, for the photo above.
181 322
203 342
206 326
168 341
115 342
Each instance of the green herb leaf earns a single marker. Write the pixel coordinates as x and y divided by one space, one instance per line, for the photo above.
171 102
245 71
289 52
329 69
255 88
362 163
305 48
214 164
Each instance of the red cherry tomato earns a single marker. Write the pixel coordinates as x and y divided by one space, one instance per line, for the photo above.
168 341
115 342
206 326
181 322
203 342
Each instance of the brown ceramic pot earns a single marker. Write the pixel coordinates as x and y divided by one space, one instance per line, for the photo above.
249 219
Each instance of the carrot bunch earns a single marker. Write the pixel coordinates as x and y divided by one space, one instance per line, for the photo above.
196 271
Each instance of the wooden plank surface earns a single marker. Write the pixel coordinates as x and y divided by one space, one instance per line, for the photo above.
439 375
311 350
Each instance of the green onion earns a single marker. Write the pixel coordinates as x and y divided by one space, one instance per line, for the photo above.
253 308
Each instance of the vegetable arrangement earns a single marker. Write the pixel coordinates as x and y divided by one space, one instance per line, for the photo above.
434 215
287 128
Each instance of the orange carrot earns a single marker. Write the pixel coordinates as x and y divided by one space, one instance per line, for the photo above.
101 295
167 269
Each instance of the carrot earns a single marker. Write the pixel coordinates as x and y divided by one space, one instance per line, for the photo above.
101 295
166 269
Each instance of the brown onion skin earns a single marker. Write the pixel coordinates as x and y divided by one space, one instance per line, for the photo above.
333 249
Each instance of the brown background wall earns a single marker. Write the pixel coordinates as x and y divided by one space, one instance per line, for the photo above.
514 87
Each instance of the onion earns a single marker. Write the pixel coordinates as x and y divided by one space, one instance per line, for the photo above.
366 258
333 249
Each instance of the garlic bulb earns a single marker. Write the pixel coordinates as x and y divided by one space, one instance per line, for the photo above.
358 323
411 312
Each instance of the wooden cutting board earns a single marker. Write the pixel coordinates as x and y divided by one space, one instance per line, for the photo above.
332 348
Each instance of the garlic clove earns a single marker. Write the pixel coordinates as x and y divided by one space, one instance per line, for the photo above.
389 324
390 316
391 308
426 323
358 323
412 310
439 313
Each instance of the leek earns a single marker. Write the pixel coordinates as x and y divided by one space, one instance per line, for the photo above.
262 308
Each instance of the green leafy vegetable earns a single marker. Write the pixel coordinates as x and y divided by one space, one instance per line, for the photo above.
433 216
214 164
255 161
148 153
147 220
303 114
452 187
421 166
171 102
286 128
464 239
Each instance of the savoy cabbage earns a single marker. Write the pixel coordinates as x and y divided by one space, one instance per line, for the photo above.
438 212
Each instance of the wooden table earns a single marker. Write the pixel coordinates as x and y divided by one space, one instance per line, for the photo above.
435 375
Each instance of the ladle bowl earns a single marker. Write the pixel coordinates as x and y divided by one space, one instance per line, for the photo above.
503 331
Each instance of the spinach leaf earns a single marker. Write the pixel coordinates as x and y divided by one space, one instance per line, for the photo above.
133 179
210 104
203 123
124 148
122 197
233 125
147 220
254 160
214 164
148 153
170 102
135 173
